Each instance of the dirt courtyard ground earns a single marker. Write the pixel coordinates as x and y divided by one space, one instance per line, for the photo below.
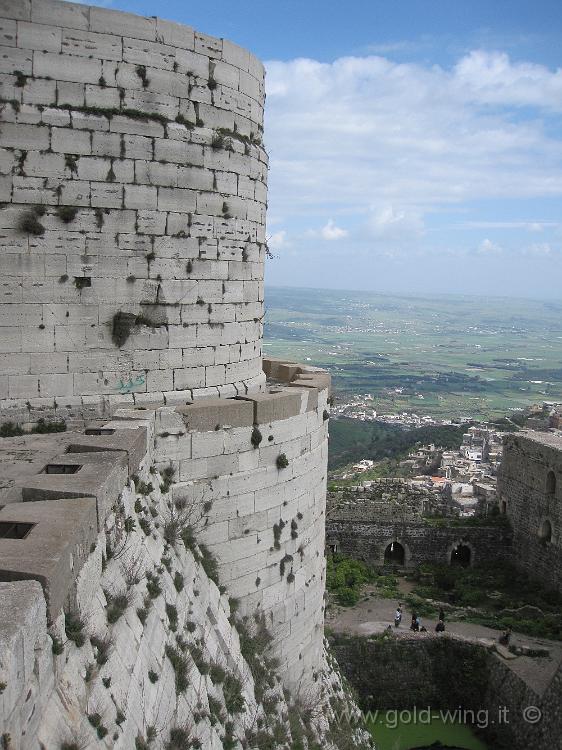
373 615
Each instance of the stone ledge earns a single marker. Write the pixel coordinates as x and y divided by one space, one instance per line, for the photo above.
294 390
102 439
54 550
101 475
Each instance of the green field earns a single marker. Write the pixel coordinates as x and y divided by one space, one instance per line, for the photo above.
467 356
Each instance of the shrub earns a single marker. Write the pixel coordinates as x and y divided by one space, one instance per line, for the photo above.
344 578
233 698
153 585
180 666
67 213
58 646
277 529
74 628
29 223
217 674
116 605
43 427
256 437
143 488
103 648
188 537
10 429
282 461
209 564
153 676
178 581
180 739
172 614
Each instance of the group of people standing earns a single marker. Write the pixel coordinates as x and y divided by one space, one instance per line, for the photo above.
416 624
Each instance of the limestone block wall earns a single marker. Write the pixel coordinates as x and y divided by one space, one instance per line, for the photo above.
530 492
132 219
258 467
76 671
368 540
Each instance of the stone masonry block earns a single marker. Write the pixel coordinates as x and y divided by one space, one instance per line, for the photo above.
58 13
208 413
100 475
54 548
32 36
82 70
122 24
132 442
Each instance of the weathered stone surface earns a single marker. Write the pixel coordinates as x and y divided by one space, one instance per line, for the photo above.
54 549
530 492
128 173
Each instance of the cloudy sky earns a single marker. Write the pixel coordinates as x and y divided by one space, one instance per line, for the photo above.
415 145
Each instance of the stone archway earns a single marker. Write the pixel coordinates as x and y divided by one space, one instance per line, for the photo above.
461 555
550 484
394 554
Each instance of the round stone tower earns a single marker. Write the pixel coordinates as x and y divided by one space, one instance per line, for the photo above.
132 225
133 189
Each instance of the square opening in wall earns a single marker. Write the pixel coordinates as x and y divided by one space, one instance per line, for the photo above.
99 431
14 529
61 469
80 282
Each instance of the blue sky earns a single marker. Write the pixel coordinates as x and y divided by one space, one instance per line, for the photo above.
415 146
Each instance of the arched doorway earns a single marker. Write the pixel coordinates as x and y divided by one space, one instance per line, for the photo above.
461 555
394 554
545 531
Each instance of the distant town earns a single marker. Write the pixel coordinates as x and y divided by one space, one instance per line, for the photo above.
461 482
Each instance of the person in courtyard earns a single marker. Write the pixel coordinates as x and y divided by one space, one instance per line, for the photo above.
505 636
440 627
415 624
442 614
398 616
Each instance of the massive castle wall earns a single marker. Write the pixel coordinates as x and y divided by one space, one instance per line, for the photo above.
133 239
132 228
530 492
421 542
90 539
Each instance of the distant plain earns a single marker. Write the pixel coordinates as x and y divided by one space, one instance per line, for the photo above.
476 357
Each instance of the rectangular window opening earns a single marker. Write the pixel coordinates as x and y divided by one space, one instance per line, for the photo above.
61 468
82 281
14 529
99 431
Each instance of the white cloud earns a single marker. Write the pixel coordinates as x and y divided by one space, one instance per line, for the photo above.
487 247
528 226
491 78
331 232
277 240
365 131
395 224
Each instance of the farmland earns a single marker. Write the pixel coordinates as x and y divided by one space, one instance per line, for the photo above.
445 356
